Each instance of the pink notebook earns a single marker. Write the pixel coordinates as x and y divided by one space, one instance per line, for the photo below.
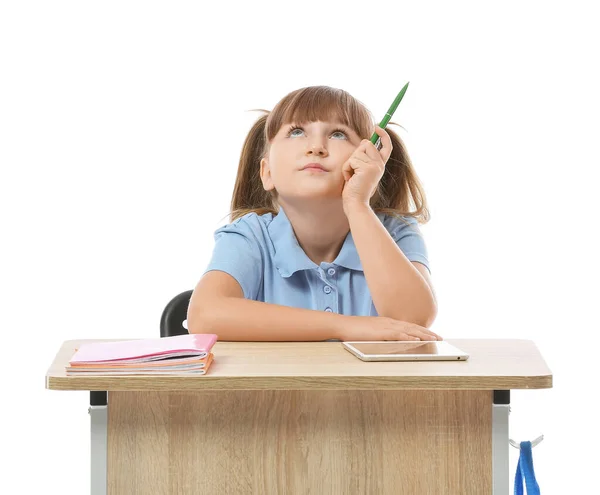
166 366
145 350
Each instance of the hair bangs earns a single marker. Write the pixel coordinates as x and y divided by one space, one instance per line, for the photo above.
320 103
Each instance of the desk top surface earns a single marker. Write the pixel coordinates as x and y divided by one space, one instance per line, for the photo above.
494 364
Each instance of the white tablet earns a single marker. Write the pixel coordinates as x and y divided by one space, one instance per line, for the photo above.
390 350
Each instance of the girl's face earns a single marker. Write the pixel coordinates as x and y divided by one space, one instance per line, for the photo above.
328 144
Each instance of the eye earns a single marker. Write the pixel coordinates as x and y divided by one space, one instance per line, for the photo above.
294 128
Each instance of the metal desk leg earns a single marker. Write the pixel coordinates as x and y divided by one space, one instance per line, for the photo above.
99 415
500 445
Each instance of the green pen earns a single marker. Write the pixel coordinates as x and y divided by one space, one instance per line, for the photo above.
389 113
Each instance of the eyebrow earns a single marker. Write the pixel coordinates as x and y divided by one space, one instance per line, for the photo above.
342 126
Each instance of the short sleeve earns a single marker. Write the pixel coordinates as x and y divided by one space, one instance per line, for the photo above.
237 252
410 240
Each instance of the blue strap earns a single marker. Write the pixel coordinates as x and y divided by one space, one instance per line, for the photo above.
525 470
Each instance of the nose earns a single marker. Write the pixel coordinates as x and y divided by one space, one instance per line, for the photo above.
317 148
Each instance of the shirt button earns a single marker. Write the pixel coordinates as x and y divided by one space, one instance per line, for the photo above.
329 310
331 271
327 289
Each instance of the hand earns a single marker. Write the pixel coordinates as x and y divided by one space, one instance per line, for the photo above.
382 328
364 169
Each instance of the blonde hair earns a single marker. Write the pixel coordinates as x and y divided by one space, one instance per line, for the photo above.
398 186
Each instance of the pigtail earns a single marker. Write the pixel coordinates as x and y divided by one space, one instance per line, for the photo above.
248 192
400 192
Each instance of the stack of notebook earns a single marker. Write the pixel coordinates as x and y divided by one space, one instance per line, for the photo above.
181 354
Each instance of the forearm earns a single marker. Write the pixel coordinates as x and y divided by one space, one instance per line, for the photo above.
238 319
397 288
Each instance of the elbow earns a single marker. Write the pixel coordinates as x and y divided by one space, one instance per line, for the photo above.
427 322
194 325
424 318
198 320
429 317
427 313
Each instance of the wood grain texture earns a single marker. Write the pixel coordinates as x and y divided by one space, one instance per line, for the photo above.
300 442
138 443
495 364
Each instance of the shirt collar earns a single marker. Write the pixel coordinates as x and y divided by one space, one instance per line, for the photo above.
289 255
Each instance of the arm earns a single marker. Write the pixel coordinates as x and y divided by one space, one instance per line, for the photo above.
223 301
218 306
397 287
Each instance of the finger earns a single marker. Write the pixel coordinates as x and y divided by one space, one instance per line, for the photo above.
355 163
419 331
372 153
418 335
347 170
430 335
386 144
396 335
361 154
405 337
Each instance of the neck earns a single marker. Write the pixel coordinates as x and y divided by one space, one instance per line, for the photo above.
320 228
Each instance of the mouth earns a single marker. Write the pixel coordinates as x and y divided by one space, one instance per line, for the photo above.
314 167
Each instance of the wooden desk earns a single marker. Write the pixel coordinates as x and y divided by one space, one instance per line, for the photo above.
309 417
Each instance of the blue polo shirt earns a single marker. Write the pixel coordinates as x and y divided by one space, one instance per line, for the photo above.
261 252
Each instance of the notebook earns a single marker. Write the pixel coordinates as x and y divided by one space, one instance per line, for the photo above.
180 354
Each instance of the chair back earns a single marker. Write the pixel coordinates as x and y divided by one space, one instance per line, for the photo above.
174 316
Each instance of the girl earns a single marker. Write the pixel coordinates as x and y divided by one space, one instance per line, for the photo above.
322 245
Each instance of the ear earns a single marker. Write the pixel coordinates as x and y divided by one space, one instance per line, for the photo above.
265 175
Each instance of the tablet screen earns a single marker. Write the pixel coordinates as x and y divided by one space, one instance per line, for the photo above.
396 347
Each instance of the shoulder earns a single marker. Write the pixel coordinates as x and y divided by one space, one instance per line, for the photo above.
407 235
251 226
400 225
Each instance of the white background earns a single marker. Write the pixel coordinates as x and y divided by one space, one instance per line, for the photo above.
121 125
